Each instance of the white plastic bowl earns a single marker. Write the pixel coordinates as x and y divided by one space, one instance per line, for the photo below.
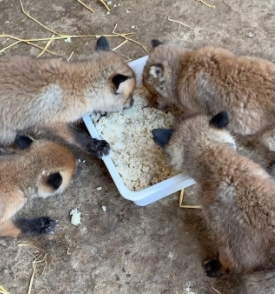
152 193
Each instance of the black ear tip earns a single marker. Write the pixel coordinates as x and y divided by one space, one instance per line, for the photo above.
102 44
162 136
220 120
155 43
23 141
157 132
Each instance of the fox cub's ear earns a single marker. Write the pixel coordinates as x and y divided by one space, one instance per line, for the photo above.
156 71
102 44
117 80
23 141
155 43
162 136
220 120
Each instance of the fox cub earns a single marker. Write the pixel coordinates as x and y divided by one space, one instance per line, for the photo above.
209 80
238 196
45 96
42 169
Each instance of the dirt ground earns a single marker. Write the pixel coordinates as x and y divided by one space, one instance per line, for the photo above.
157 249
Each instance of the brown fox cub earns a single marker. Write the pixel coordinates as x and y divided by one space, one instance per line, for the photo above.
44 96
42 169
209 80
238 196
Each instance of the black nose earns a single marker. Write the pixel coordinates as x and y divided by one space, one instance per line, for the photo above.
162 136
54 180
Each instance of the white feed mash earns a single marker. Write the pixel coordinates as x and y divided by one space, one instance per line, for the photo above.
139 161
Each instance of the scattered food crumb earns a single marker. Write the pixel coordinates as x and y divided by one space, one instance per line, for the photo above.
188 289
115 5
127 11
133 27
68 40
109 2
250 34
171 255
44 173
104 208
108 12
76 216
99 188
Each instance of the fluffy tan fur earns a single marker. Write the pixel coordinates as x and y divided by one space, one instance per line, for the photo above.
25 173
45 95
238 196
210 80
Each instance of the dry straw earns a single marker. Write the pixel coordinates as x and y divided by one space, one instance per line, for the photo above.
3 291
39 258
216 290
208 5
181 198
178 22
57 36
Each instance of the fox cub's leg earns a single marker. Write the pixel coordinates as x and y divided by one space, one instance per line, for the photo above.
36 226
10 203
28 227
73 135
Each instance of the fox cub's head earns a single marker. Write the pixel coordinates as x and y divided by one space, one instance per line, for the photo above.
115 80
191 136
160 72
53 164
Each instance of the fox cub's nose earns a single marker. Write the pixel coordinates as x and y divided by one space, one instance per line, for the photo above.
54 180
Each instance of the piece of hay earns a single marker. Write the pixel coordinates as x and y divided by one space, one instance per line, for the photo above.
216 290
71 55
3 291
29 16
181 198
40 257
29 42
106 6
46 47
208 5
121 44
178 22
129 39
87 7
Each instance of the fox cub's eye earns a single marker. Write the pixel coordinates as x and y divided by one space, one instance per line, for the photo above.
117 79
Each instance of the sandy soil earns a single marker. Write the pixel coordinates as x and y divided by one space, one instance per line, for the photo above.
157 249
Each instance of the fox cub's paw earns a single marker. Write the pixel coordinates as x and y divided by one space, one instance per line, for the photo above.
213 268
37 226
99 147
